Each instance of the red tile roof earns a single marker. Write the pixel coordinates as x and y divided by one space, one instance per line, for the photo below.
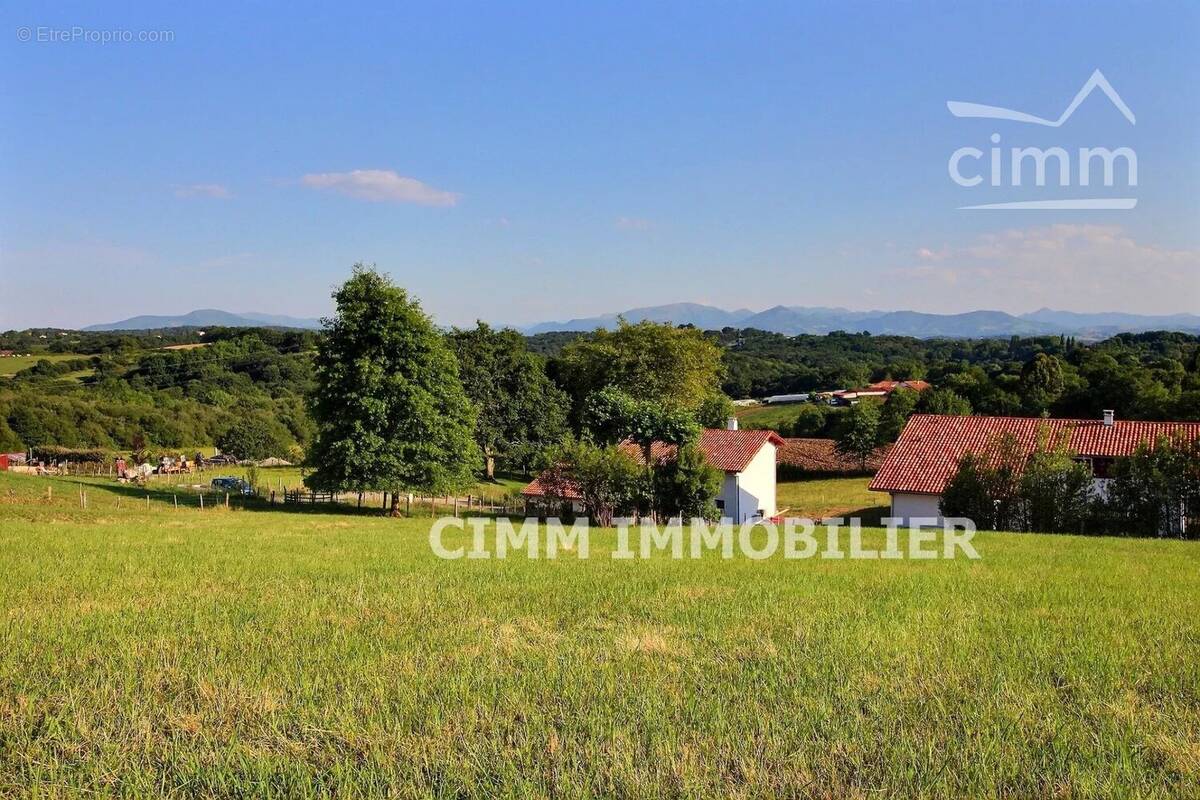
821 455
731 451
889 386
926 455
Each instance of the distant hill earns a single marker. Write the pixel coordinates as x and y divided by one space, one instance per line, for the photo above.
793 320
706 317
207 317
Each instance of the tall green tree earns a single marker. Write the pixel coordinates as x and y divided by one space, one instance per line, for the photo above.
676 367
520 409
1041 382
900 405
605 478
858 432
1056 489
612 416
943 401
687 486
390 410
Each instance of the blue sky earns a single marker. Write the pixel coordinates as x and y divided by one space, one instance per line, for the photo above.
519 163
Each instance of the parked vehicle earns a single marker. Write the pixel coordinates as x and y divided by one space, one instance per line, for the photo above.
231 485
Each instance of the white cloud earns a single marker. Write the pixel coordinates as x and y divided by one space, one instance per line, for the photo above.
203 190
380 186
1092 267
632 224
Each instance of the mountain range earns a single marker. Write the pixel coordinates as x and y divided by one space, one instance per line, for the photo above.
207 317
791 320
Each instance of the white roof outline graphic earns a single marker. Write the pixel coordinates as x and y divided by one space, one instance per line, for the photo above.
979 111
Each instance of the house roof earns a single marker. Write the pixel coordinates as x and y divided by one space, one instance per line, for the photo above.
890 386
730 451
821 455
926 455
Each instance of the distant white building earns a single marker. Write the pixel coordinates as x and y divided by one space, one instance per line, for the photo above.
776 399
746 457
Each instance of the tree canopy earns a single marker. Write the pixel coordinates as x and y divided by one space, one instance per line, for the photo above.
390 410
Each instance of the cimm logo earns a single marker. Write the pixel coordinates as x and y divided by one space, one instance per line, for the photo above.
1014 166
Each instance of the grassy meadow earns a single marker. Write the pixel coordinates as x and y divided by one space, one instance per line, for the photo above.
819 498
230 653
770 417
11 365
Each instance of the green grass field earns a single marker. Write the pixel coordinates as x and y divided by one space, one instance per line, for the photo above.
831 497
11 365
769 417
235 653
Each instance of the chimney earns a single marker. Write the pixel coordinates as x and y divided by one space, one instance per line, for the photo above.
731 424
1108 417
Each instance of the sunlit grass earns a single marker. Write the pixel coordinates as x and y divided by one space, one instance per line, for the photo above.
829 497
245 653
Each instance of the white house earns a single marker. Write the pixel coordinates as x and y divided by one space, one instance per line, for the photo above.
746 457
925 457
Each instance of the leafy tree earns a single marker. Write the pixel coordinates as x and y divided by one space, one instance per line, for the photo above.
9 442
676 367
1056 490
687 486
715 411
1042 382
612 416
605 477
390 410
968 492
986 486
900 405
1156 491
943 401
811 420
859 432
255 437
520 409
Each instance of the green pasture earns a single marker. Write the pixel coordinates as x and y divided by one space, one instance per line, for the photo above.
149 651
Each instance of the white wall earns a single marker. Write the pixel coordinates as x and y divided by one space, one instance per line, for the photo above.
906 506
729 496
746 492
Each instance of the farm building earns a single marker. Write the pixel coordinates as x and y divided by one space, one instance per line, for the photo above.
802 457
925 457
746 457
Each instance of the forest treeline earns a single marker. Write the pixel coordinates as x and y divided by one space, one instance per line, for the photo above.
177 388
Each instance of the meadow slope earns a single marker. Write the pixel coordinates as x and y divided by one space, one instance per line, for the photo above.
163 652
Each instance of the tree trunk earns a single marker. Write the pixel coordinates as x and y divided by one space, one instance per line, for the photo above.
395 512
490 464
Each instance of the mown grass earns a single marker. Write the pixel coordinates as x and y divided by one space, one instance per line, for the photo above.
263 653
831 497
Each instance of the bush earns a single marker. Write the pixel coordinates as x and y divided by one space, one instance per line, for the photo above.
606 478
1056 492
687 486
1156 491
986 487
255 437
